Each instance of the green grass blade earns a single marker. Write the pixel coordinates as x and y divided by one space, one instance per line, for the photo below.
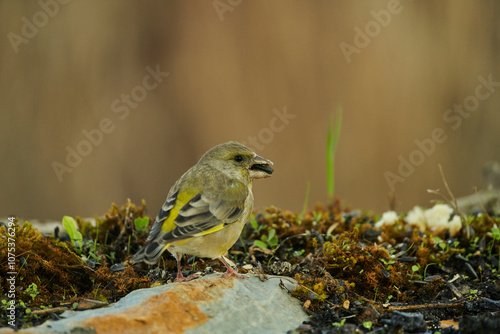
331 147
306 200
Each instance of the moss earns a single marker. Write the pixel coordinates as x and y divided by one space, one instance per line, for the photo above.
62 276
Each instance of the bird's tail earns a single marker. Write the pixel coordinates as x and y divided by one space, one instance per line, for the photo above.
149 253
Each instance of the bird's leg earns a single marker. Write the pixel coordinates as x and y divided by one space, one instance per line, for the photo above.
180 277
230 271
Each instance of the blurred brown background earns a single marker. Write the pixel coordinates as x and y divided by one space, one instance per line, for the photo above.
233 66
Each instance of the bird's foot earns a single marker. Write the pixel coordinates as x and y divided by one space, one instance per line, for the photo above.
233 272
181 278
230 270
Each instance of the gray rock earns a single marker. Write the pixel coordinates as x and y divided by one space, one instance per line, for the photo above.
211 304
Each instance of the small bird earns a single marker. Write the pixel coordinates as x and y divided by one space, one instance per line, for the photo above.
207 207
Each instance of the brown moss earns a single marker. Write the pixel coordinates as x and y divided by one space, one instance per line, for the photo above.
60 274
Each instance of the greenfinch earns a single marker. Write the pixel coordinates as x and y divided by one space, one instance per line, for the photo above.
207 208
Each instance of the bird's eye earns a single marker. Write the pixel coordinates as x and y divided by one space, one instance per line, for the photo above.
238 158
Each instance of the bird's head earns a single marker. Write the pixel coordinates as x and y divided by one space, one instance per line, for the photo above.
238 161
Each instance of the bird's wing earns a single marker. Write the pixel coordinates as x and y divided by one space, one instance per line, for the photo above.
205 213
164 213
155 247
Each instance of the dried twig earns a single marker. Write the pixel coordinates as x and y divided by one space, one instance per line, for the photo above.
452 201
483 208
430 306
50 310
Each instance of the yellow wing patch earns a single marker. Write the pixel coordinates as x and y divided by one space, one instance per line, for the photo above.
212 230
182 199
185 241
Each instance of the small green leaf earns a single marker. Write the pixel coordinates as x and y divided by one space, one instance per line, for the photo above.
271 234
339 324
495 233
298 253
70 226
255 225
260 244
141 224
367 325
273 242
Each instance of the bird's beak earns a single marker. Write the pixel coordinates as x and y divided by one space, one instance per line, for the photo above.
260 168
